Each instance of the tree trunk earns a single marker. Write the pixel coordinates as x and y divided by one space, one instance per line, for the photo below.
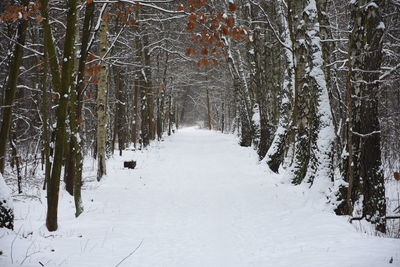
15 159
161 100
374 201
176 116
169 114
76 128
47 151
281 146
244 114
208 110
148 89
120 111
135 111
69 164
312 119
364 172
102 102
223 117
62 85
11 88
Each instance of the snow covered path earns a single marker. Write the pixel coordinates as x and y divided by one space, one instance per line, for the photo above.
196 200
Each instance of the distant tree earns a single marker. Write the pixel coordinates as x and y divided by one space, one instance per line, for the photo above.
102 97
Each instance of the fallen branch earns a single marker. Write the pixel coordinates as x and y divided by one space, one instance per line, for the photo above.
392 217
386 218
130 254
356 219
12 244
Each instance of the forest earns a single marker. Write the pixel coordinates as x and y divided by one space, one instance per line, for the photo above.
310 87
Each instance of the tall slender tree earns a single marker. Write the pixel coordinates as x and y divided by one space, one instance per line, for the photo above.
11 87
102 99
62 83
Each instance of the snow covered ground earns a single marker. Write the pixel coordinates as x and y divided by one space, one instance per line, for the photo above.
195 200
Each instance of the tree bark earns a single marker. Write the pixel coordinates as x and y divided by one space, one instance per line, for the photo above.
281 146
136 114
149 94
76 128
47 151
11 88
208 110
120 111
62 84
102 102
363 171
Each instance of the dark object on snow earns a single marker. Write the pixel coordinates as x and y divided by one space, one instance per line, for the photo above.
6 207
6 215
130 164
397 176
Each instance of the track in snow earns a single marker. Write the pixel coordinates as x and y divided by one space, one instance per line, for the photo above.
200 200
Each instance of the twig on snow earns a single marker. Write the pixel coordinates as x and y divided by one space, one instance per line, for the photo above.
130 254
27 254
12 244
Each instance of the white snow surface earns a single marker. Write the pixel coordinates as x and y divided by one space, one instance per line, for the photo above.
197 199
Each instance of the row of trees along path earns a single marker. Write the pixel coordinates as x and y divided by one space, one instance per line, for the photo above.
313 98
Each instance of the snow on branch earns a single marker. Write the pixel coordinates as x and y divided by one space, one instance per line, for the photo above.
268 22
389 72
149 4
365 135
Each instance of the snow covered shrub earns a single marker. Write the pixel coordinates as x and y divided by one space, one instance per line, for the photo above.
6 207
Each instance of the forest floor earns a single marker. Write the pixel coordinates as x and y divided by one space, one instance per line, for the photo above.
196 199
